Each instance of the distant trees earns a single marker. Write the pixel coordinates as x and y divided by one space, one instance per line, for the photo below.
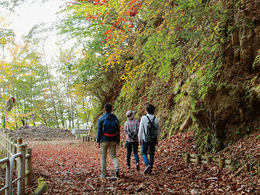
44 93
41 98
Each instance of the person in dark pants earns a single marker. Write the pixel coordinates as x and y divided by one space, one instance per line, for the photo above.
142 137
108 137
131 128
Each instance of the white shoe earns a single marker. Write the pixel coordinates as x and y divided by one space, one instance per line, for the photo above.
147 169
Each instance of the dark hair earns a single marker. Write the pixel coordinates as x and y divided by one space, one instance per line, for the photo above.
150 109
108 107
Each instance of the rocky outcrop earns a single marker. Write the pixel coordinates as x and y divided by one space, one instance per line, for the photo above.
231 111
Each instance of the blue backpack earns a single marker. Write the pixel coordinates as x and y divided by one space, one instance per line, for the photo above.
110 125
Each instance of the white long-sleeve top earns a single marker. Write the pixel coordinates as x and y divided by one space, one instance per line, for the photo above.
143 126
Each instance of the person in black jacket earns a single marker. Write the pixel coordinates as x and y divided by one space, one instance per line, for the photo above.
108 137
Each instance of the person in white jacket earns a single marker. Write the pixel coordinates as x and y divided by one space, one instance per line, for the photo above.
145 137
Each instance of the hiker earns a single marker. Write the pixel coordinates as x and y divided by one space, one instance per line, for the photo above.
131 127
108 137
148 135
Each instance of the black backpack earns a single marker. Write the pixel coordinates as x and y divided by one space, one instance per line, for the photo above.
110 125
132 134
152 130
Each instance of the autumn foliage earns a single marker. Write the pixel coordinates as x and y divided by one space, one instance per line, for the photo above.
170 54
121 20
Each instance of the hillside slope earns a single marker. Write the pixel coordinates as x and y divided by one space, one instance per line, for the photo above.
202 77
197 61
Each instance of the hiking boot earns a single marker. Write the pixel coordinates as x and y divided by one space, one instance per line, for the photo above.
117 174
137 166
147 169
102 176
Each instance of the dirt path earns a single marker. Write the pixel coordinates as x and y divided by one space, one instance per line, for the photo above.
70 166
73 167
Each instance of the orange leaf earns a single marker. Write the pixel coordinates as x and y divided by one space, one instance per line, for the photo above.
108 31
129 25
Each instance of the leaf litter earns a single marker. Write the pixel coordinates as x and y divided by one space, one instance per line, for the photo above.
73 167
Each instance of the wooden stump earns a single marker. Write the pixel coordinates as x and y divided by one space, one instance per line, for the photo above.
198 159
221 163
209 159
187 158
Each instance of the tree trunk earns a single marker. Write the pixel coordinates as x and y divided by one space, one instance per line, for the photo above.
72 112
31 107
85 114
52 99
61 114
69 118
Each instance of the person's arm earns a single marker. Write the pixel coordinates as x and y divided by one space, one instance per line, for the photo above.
158 130
141 130
137 126
118 133
99 129
125 127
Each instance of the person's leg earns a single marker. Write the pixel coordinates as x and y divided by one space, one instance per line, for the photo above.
151 154
104 147
129 151
135 147
112 151
144 153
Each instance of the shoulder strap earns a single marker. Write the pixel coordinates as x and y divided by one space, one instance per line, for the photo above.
103 125
150 119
